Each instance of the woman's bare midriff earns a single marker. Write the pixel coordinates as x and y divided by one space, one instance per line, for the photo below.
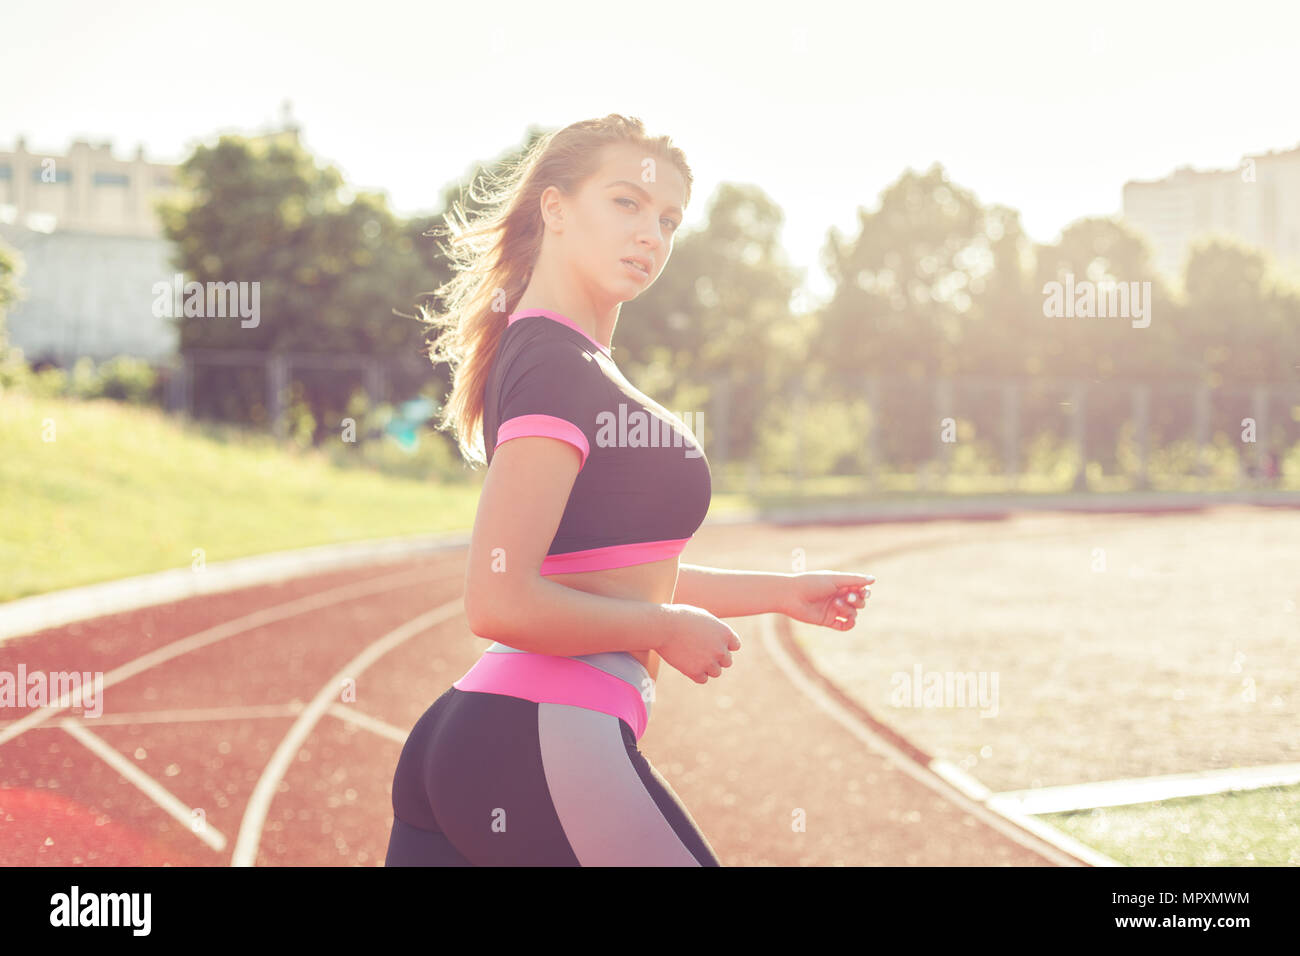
654 581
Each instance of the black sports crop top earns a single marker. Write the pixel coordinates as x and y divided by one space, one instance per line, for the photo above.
644 484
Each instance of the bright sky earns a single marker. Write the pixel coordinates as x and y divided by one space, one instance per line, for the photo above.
1048 108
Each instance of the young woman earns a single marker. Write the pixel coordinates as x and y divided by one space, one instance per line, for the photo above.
531 757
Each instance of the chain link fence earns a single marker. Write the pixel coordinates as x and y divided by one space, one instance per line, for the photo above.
1111 435
896 433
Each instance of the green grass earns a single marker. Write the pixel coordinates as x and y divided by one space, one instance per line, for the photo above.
123 490
1237 828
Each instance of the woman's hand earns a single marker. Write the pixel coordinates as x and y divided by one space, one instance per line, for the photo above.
827 598
697 643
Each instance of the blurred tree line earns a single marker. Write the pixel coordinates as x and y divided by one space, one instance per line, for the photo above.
934 284
937 285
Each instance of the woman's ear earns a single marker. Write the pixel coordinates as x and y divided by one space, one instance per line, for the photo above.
552 208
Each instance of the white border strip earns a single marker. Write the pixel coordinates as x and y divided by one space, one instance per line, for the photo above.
42 611
943 776
1030 834
1044 831
1120 793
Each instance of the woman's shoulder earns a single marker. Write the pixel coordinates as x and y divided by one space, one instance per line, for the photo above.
545 348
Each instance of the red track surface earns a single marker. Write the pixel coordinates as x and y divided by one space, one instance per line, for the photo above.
743 751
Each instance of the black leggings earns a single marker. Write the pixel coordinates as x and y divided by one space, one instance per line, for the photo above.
494 780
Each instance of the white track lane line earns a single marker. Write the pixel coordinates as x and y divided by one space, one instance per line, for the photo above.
151 787
939 775
239 625
365 721
259 804
1008 826
1020 806
252 711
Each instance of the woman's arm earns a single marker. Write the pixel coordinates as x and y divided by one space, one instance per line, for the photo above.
548 618
726 593
828 598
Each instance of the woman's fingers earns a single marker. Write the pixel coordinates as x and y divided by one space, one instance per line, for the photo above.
847 603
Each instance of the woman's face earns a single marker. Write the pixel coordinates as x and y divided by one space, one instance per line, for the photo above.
619 215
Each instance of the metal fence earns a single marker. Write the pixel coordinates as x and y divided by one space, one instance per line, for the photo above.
1117 427
384 378
915 426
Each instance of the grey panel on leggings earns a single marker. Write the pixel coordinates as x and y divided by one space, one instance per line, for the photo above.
609 817
619 663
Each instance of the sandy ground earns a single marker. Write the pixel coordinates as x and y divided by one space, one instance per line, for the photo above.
1122 645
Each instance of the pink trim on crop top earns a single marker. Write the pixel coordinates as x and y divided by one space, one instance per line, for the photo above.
547 679
562 319
613 556
547 426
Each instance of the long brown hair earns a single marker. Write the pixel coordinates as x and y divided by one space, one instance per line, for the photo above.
493 257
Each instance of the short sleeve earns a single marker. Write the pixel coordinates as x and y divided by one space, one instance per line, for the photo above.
547 390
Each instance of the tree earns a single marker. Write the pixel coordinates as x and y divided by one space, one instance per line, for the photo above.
1104 251
1242 322
330 265
903 284
933 285
11 268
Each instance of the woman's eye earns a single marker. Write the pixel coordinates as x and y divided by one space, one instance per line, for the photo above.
672 226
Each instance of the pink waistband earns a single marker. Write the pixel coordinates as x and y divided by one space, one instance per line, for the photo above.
614 556
546 679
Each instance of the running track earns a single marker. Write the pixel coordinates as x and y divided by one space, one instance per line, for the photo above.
237 704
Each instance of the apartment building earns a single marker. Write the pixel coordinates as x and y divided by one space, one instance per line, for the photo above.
86 189
1257 203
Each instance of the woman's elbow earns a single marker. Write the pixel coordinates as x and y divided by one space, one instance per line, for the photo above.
484 613
476 613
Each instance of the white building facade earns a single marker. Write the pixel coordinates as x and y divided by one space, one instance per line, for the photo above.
1257 203
92 247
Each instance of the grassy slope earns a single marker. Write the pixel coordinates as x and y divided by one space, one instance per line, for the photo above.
123 491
